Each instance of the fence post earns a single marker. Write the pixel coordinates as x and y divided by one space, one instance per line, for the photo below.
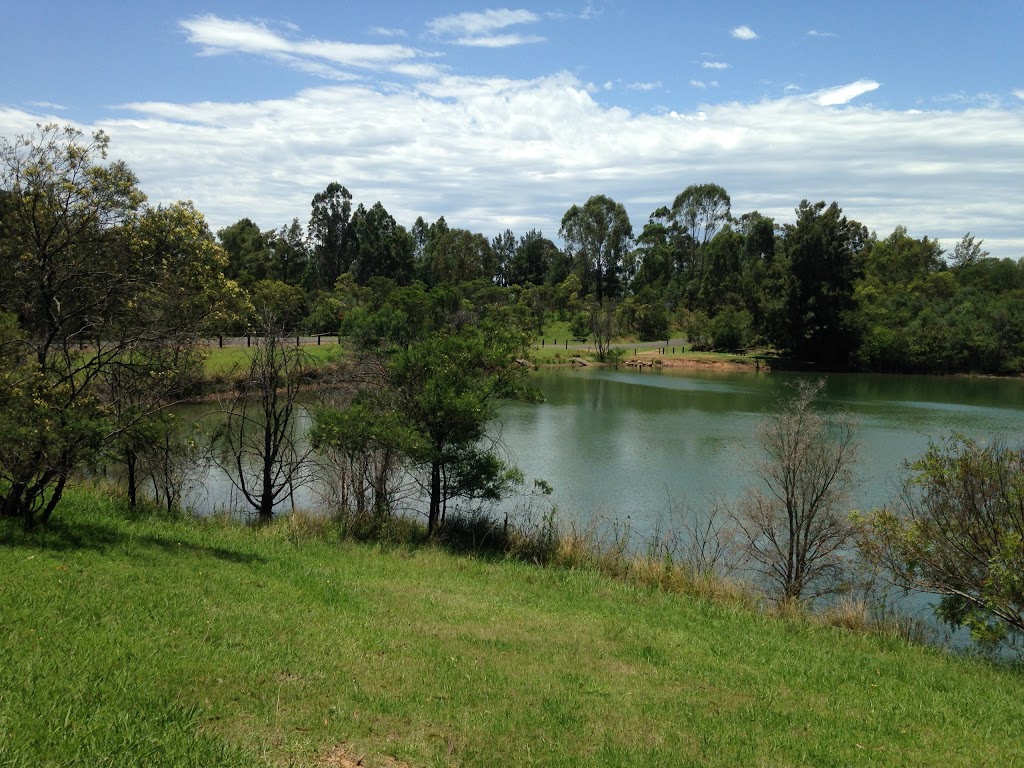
220 342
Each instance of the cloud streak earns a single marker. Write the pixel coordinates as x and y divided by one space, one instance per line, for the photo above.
477 29
336 60
844 94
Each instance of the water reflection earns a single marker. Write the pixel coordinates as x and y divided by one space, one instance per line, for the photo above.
621 443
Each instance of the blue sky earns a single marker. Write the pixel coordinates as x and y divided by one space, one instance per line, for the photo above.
502 116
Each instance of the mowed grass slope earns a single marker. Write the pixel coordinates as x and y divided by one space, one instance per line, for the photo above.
155 642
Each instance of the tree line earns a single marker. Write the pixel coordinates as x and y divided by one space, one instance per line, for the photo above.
822 289
104 298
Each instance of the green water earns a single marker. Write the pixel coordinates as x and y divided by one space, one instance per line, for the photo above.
620 444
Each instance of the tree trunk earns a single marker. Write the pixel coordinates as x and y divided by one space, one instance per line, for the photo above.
130 462
435 497
55 497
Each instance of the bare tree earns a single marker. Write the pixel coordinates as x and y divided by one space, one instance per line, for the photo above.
258 446
793 525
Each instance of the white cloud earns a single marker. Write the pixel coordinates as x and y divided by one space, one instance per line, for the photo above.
480 24
388 32
499 41
217 36
1019 93
698 84
714 65
843 94
743 33
494 153
47 105
816 33
644 86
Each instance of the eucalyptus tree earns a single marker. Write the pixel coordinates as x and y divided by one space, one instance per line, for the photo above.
330 235
697 214
91 280
598 236
821 250
382 246
289 253
444 361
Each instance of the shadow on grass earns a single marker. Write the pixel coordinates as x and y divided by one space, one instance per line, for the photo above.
200 550
61 535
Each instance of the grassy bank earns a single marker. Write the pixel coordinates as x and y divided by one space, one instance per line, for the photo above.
154 642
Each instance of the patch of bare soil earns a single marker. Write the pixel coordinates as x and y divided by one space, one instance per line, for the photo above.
343 756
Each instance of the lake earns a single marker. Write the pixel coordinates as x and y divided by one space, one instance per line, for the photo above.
620 444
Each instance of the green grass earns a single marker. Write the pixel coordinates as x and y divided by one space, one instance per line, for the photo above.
229 361
153 642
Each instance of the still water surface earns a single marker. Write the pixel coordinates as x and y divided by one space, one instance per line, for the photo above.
620 444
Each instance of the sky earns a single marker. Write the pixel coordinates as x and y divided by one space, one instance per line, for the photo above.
504 116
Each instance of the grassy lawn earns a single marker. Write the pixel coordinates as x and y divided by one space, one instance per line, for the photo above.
228 361
189 643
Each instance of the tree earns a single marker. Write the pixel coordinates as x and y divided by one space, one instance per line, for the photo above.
504 248
597 237
448 385
456 256
383 247
968 251
602 327
793 526
696 215
257 446
331 235
274 298
957 531
821 249
248 250
289 254
90 280
533 258
444 364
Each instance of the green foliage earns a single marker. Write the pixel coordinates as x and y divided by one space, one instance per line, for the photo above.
331 235
958 532
274 298
598 236
730 329
97 283
444 357
579 325
822 250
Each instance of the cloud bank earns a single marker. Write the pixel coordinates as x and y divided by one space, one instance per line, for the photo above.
496 153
